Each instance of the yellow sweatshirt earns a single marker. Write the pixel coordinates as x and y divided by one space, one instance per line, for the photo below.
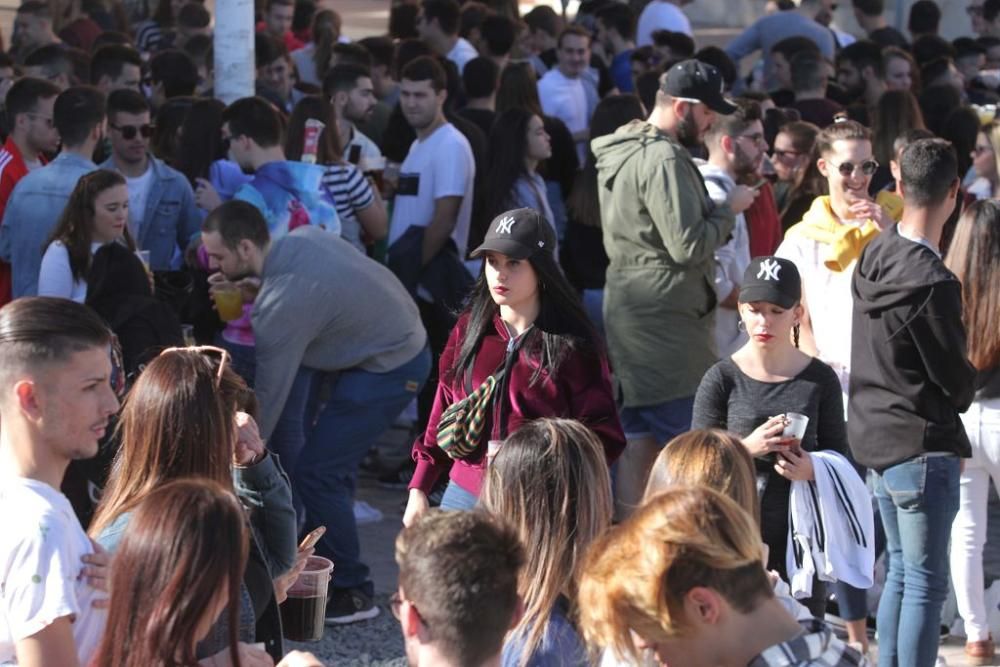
846 241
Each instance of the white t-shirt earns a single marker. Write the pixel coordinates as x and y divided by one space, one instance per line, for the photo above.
570 101
55 277
440 165
138 193
462 53
828 297
41 545
369 149
660 15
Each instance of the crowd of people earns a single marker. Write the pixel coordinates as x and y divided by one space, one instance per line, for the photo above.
693 350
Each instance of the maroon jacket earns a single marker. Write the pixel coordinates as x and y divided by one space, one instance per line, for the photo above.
581 390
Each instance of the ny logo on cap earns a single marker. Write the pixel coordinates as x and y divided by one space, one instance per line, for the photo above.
769 269
503 227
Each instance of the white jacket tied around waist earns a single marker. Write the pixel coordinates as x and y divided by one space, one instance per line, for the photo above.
831 527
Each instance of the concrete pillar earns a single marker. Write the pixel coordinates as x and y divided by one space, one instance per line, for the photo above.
235 66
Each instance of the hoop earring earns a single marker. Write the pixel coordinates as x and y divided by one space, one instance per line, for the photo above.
741 325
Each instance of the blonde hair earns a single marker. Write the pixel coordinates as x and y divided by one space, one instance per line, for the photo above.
707 457
551 481
637 576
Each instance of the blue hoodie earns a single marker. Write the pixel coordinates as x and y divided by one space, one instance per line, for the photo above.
289 194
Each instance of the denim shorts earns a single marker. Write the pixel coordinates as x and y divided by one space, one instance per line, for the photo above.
661 421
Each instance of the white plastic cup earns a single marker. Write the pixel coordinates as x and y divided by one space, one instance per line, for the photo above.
796 427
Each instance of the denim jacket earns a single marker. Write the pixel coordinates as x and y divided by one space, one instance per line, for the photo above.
171 218
33 211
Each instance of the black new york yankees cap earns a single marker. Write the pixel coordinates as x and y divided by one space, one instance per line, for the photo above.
772 280
700 82
518 234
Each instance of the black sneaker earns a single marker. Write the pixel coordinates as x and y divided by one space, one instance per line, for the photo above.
349 605
399 477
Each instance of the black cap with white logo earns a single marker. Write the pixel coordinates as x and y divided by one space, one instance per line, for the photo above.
518 234
695 80
771 280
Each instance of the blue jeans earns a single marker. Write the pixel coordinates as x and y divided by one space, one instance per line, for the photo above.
324 454
458 499
662 421
918 500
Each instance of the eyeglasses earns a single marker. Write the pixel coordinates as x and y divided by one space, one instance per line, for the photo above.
205 350
756 139
396 607
848 169
781 155
129 131
47 119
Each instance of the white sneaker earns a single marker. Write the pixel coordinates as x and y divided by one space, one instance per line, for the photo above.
365 513
941 662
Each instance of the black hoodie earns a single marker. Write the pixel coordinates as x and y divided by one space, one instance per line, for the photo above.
910 377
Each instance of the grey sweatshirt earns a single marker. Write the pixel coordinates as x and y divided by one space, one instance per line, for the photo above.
326 306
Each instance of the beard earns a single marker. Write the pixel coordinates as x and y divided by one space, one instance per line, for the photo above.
688 133
745 168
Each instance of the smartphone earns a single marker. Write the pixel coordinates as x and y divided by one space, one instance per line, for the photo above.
310 540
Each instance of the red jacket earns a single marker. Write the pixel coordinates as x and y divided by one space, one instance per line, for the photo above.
581 390
12 170
764 223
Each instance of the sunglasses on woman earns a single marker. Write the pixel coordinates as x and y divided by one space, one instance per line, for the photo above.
208 351
848 169
129 131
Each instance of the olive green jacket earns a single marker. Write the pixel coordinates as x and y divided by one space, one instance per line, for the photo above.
661 231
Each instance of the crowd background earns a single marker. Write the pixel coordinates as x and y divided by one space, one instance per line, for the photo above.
550 245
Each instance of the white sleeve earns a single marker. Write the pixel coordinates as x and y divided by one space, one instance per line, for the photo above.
452 176
39 586
55 278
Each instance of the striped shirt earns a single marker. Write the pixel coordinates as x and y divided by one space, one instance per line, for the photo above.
349 191
817 646
150 37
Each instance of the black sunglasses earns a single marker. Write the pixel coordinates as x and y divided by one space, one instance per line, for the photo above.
129 131
847 169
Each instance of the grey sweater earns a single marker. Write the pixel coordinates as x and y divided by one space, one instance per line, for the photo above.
324 305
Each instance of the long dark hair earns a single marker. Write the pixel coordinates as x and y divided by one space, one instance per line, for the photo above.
611 113
318 108
896 112
200 142
518 89
507 150
974 257
561 327
184 541
75 229
325 31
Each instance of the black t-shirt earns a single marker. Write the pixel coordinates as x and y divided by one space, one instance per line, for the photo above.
482 118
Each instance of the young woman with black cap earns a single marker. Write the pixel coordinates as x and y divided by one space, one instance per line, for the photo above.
754 393
523 349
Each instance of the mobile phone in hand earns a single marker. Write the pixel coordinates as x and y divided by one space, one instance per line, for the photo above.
310 540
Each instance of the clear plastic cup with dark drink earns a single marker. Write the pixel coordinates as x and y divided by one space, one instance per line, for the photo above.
303 612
